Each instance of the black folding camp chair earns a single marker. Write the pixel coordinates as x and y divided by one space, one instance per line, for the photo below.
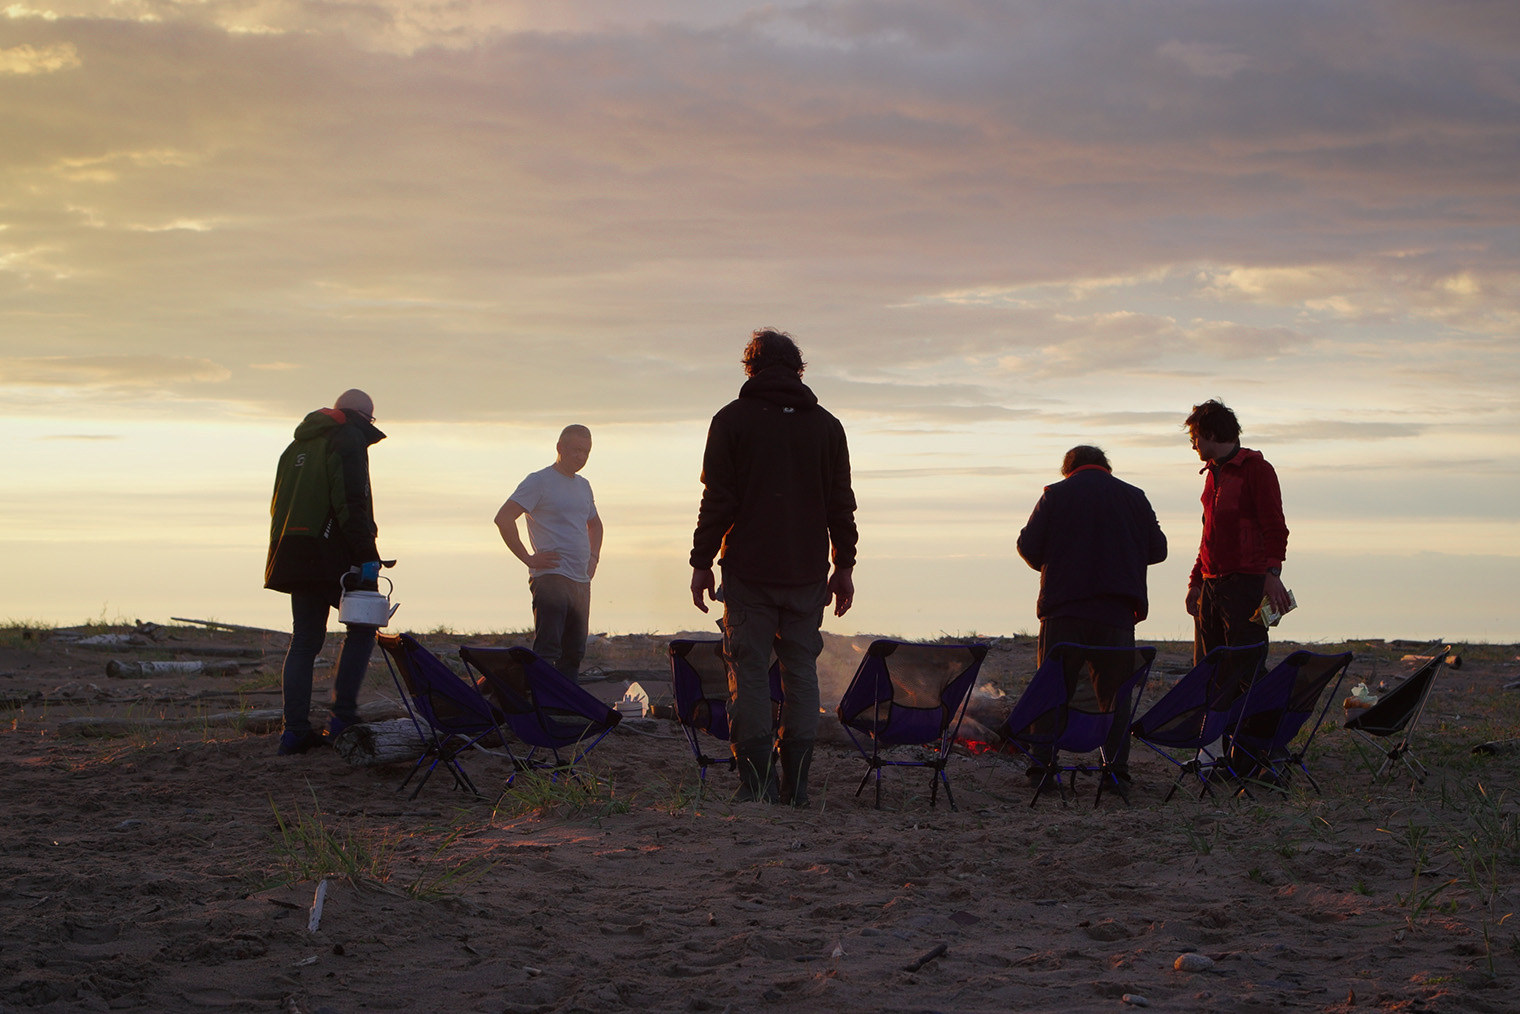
1280 704
1189 724
1396 714
449 714
1071 705
699 684
910 695
540 706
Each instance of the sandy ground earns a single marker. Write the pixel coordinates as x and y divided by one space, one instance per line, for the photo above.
147 869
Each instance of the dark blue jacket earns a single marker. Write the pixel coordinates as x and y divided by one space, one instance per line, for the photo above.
1091 537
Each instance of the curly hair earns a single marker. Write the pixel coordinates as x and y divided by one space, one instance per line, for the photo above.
769 347
1215 421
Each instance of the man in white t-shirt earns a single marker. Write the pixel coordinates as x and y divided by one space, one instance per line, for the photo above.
567 541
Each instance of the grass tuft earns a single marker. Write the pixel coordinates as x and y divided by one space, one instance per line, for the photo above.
563 793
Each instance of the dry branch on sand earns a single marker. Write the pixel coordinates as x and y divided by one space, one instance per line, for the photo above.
260 720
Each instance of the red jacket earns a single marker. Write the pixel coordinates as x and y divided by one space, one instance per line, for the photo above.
1243 527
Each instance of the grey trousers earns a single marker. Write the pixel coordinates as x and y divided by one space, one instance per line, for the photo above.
561 613
759 619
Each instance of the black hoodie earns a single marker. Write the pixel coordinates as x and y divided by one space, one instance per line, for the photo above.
776 478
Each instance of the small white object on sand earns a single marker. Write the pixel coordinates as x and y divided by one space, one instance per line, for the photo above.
316 907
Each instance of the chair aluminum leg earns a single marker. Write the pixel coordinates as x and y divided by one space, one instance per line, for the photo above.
1045 779
940 776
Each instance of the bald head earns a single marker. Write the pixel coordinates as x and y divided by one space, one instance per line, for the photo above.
355 400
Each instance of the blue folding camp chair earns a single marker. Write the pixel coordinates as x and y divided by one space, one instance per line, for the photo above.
1280 703
699 682
1397 713
1189 723
1077 697
541 706
910 695
449 714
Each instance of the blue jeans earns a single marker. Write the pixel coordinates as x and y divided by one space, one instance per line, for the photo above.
759 619
308 613
561 612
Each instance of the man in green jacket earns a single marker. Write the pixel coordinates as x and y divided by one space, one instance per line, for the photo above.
323 528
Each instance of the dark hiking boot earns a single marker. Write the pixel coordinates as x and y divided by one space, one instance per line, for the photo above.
299 742
796 759
755 762
336 726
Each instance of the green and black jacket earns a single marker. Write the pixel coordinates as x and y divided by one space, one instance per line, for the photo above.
322 518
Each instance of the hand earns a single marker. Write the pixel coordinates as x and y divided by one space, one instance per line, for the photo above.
1277 593
1194 593
545 559
842 587
702 581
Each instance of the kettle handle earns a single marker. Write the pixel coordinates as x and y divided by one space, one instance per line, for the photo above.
344 589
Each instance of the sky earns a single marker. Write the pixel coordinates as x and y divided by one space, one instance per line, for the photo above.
996 229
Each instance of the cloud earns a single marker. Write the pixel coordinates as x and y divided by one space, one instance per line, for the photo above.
88 437
519 187
1205 59
1317 430
108 371
893 474
20 60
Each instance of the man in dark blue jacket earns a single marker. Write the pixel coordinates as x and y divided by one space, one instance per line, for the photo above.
776 501
1091 537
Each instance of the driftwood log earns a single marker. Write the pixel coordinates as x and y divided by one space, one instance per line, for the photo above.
117 669
1453 661
1498 746
370 743
261 720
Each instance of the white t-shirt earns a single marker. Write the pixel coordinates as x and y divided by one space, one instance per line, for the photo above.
558 508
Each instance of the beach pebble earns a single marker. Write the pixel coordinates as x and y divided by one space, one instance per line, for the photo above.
1135 1000
1193 963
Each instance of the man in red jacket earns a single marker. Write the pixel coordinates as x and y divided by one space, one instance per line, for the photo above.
776 505
1244 536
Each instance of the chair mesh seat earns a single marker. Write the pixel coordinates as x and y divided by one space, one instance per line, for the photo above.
906 694
540 706
1397 714
699 685
1071 706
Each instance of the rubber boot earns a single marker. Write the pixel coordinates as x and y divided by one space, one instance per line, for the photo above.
796 759
755 761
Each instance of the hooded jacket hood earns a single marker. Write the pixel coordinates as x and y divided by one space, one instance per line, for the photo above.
325 420
779 386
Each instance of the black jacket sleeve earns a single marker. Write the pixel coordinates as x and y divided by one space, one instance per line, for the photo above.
843 534
720 496
355 509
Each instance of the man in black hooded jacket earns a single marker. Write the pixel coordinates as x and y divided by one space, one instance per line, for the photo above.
322 525
776 500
